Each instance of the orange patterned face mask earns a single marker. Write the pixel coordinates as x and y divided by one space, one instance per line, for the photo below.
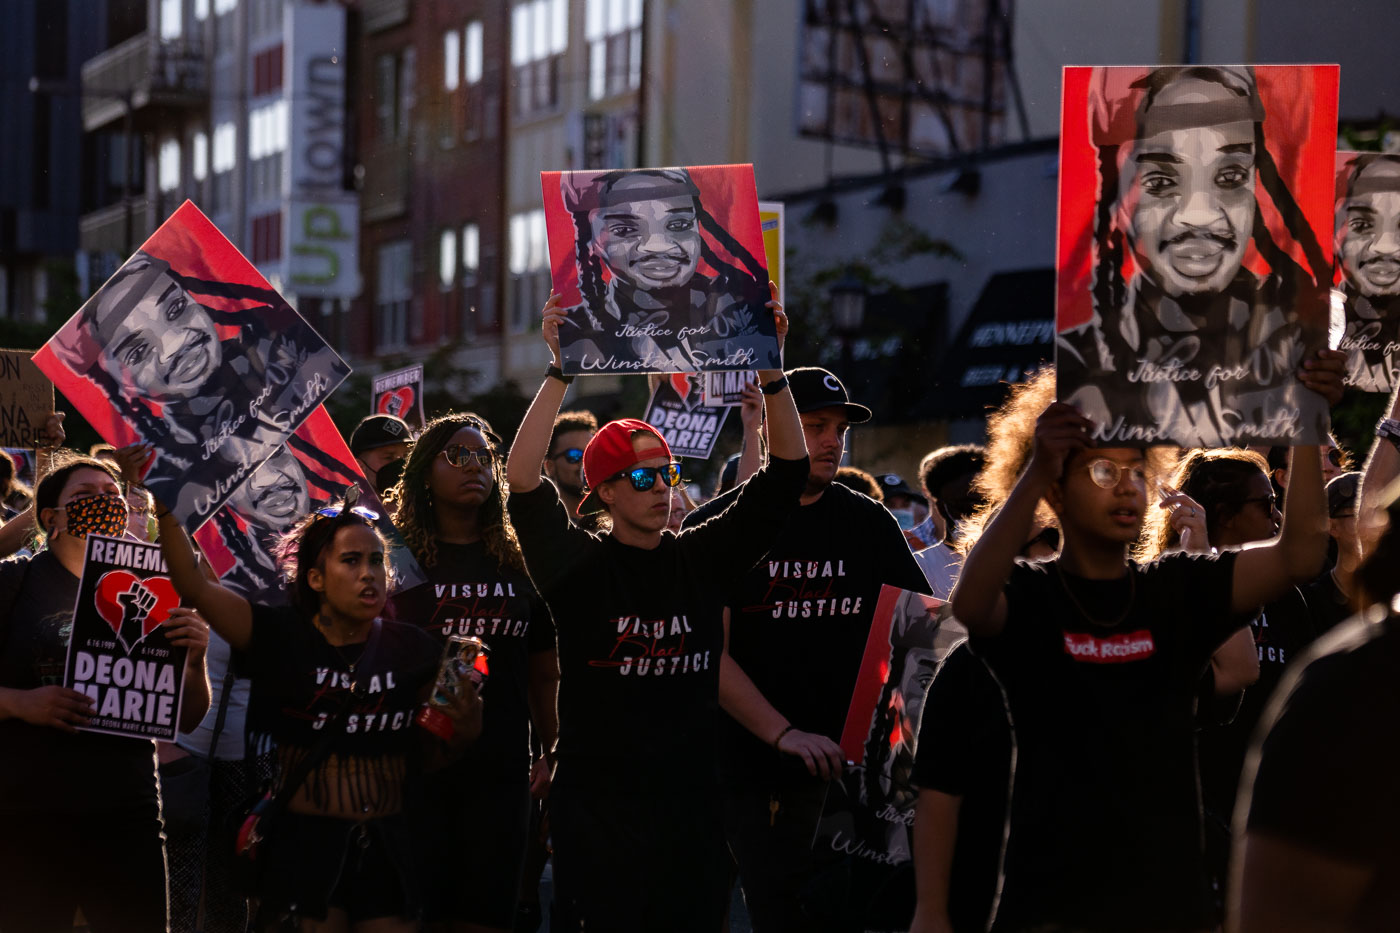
103 514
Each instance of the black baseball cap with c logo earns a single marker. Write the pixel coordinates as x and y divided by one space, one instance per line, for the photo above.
814 388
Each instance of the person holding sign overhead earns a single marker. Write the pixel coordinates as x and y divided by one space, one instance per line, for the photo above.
79 813
635 806
338 690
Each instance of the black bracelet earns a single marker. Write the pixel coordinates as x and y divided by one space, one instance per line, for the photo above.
776 386
557 373
789 728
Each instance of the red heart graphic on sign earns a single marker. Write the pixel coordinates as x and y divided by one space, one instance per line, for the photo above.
133 607
396 402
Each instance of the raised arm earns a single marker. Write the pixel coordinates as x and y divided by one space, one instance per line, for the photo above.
532 440
1264 572
978 600
1382 467
785 438
228 613
751 453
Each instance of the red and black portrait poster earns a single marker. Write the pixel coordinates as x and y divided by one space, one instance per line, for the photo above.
187 347
1194 258
1367 245
118 653
312 471
662 270
400 393
869 812
678 411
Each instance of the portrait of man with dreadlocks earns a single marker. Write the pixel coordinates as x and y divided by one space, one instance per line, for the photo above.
1193 280
187 348
1368 267
663 280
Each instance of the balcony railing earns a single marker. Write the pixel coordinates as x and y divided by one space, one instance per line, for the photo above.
105 230
147 73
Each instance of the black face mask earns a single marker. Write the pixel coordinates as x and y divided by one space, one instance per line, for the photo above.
388 475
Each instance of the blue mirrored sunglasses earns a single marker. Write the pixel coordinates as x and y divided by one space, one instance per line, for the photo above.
572 455
331 511
644 478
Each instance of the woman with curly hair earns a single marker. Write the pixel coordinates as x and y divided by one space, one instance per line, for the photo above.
452 515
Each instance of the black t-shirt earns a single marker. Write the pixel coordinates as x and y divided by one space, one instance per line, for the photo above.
965 751
1282 631
640 632
799 620
469 593
1106 822
46 769
301 683
1326 775
1328 605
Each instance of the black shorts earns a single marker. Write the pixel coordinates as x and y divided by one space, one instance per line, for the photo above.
472 830
315 863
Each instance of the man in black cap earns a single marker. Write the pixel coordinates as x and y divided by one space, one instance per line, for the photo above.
380 443
906 503
796 629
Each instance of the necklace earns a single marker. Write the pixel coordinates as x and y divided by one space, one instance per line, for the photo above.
1132 595
349 664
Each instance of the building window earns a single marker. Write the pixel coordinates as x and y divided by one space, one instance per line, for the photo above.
267 238
393 93
393 293
447 258
613 31
171 19
472 52
201 10
267 71
539 37
267 130
225 147
168 167
471 249
529 242
224 6
199 156
451 59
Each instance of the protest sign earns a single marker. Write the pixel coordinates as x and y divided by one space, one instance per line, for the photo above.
727 388
311 472
773 222
400 393
26 399
1195 256
187 347
24 464
1367 240
118 653
677 411
661 270
869 813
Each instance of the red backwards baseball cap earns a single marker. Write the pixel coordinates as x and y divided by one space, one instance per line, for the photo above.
611 452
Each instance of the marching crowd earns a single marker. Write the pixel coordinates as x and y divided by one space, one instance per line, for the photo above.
1166 702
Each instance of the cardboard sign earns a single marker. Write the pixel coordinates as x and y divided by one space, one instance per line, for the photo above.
118 654
869 812
188 347
689 426
727 389
311 472
1367 238
26 399
1195 251
661 270
773 221
400 393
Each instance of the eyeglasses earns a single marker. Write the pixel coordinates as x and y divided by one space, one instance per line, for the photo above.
644 478
331 511
459 455
1266 501
1107 473
572 455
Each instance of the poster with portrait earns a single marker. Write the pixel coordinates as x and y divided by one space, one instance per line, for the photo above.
661 270
400 393
26 399
118 653
24 459
869 813
1367 244
1194 258
187 347
678 411
310 472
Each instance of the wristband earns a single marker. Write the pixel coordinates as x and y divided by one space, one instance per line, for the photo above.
785 731
1389 428
556 373
773 388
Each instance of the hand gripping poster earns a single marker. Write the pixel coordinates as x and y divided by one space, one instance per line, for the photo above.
118 653
677 409
400 393
188 348
311 472
869 813
1194 261
661 270
1367 243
